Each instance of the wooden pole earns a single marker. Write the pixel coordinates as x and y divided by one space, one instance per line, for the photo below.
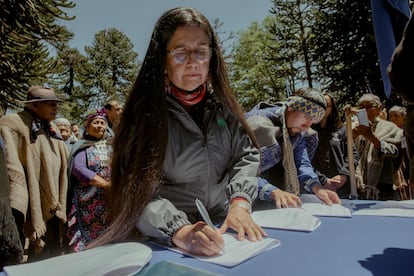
350 151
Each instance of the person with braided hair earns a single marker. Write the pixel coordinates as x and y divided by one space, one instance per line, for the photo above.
282 131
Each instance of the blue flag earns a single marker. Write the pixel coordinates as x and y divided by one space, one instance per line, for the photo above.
389 18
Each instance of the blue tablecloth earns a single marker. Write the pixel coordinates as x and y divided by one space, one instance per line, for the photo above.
361 245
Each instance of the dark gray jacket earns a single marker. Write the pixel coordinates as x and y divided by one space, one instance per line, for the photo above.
214 163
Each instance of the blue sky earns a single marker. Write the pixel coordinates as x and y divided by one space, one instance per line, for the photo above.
136 18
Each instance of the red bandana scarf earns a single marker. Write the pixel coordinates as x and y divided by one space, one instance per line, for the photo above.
188 99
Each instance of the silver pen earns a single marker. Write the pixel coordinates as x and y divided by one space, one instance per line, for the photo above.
204 214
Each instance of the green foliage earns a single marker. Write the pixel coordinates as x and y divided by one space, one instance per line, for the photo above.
291 40
106 72
346 50
112 67
71 64
225 38
254 76
277 54
27 28
324 43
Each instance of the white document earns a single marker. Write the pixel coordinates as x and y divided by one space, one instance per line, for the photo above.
385 212
286 218
403 204
235 251
323 210
114 259
389 208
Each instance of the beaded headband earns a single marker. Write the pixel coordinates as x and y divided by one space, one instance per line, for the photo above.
312 109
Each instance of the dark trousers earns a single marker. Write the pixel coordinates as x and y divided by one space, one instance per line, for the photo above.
51 238
387 192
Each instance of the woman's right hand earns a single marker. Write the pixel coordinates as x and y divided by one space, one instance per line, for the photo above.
199 239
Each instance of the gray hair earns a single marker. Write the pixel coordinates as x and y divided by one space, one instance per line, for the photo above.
400 109
370 98
62 121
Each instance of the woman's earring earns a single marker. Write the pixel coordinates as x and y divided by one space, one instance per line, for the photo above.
209 86
167 85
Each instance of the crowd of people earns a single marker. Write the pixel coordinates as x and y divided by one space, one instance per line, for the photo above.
181 135
45 176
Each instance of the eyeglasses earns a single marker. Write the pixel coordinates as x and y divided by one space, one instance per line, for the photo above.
181 55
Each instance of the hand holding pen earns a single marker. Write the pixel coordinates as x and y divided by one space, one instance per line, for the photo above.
199 239
204 214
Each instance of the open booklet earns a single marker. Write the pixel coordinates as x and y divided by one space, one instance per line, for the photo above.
295 219
235 251
115 259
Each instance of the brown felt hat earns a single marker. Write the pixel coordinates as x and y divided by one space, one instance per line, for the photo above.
41 94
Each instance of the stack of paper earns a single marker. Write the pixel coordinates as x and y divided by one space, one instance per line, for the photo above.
115 259
287 218
235 251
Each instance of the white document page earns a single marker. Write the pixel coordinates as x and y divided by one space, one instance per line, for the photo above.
286 218
323 210
235 251
403 204
385 212
115 259
389 208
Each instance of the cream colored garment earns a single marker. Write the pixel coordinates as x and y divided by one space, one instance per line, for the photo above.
37 173
371 160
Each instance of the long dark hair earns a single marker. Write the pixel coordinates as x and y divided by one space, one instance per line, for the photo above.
333 121
140 142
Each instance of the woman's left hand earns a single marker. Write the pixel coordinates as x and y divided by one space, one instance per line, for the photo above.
240 220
